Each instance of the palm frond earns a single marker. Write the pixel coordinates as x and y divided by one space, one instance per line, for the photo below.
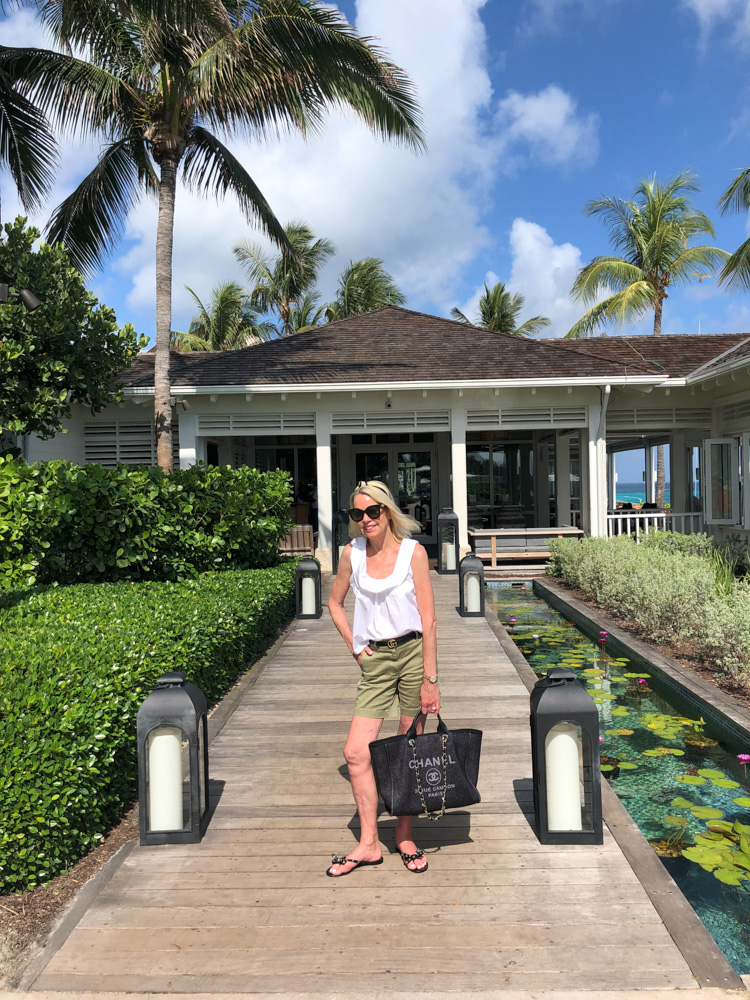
185 341
532 326
736 271
27 146
92 218
618 309
736 198
459 316
364 285
601 275
210 167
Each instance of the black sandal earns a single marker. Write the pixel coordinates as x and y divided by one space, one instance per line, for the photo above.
352 861
406 858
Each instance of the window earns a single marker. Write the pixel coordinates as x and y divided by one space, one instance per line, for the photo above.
722 480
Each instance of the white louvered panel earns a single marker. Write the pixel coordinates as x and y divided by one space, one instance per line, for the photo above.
100 444
650 415
695 417
541 417
736 411
298 422
241 424
620 418
129 443
569 416
344 422
390 421
135 444
484 419
435 420
214 424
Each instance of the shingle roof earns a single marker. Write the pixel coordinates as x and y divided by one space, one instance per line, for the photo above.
386 346
737 353
676 355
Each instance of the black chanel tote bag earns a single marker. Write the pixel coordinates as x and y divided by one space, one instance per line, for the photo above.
428 773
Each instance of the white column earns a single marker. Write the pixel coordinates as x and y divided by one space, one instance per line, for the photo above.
458 476
188 440
541 485
650 474
594 498
611 480
562 478
325 489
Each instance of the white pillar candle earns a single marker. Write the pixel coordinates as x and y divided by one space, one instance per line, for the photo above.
450 556
165 778
473 602
563 783
308 595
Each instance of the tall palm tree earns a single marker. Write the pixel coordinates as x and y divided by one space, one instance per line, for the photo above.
280 282
27 146
306 313
653 233
363 285
736 271
498 311
162 78
227 323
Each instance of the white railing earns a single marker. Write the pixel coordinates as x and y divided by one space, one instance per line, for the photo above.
637 522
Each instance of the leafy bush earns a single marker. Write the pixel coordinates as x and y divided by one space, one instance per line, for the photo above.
75 664
68 523
678 587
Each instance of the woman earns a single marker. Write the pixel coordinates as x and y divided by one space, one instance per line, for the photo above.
393 640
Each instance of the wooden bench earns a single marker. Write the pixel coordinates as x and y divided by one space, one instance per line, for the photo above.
494 545
299 542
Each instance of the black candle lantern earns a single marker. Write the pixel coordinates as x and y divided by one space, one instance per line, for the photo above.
447 532
565 761
307 579
173 809
340 536
471 587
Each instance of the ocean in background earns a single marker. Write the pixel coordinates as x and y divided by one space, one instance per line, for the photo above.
635 493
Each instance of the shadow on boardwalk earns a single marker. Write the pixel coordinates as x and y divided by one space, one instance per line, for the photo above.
250 910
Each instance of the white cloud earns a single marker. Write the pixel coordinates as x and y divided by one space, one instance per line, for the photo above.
710 13
544 272
547 125
547 15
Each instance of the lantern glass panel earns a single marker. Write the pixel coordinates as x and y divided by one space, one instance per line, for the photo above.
168 795
472 592
563 755
309 604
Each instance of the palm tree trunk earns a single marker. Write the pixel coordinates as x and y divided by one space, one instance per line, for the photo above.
661 482
164 235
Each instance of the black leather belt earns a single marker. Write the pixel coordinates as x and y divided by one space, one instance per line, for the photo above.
393 643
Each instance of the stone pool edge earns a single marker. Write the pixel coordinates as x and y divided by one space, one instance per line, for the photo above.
705 959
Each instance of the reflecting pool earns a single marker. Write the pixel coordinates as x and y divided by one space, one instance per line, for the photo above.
679 779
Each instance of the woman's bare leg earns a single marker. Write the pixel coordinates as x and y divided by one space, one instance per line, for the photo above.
404 843
357 755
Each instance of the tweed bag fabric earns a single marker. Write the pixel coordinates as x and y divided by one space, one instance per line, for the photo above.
428 773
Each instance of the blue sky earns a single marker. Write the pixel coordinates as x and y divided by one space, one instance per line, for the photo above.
531 108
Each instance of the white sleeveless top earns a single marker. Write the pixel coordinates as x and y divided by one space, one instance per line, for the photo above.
383 609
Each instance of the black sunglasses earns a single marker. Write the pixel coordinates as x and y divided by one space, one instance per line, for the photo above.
373 512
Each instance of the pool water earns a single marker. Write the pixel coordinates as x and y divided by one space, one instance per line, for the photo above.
678 777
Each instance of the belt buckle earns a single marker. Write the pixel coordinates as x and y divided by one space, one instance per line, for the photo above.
392 643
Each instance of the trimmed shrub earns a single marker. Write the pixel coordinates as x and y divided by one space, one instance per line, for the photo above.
725 631
65 523
75 664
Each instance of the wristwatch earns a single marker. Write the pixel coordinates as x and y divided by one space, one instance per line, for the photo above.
432 678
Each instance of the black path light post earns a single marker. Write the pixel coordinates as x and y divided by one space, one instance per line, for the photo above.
172 810
471 587
447 531
22 295
307 578
565 760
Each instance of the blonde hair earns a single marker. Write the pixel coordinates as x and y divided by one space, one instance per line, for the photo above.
402 525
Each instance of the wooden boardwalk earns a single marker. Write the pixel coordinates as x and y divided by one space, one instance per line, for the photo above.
250 910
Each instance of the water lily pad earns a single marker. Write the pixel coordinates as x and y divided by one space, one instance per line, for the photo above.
744 801
620 710
681 803
653 753
706 812
626 765
675 821
619 732
709 772
703 856
725 783
742 828
728 877
638 675
720 826
604 696
607 767
690 779
618 680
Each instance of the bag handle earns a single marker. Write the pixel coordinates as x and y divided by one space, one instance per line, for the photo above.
411 732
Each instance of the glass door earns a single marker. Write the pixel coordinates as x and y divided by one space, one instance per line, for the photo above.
408 474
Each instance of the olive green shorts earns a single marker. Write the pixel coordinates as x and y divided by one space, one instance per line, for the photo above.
388 675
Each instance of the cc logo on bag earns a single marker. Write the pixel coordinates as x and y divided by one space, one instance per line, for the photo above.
433 776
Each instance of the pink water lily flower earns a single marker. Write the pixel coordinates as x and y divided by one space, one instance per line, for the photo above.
601 739
642 681
743 758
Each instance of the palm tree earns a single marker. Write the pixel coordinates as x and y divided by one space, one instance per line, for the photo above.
736 198
279 282
306 314
162 78
27 146
498 311
227 323
363 285
653 233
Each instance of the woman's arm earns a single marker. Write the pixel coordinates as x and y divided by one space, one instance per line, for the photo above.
420 567
336 602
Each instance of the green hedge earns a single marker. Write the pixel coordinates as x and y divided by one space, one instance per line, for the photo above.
65 523
75 664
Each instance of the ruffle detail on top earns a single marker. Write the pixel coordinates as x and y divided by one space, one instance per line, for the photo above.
370 585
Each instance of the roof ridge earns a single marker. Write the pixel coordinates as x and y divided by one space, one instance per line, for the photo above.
589 354
715 360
